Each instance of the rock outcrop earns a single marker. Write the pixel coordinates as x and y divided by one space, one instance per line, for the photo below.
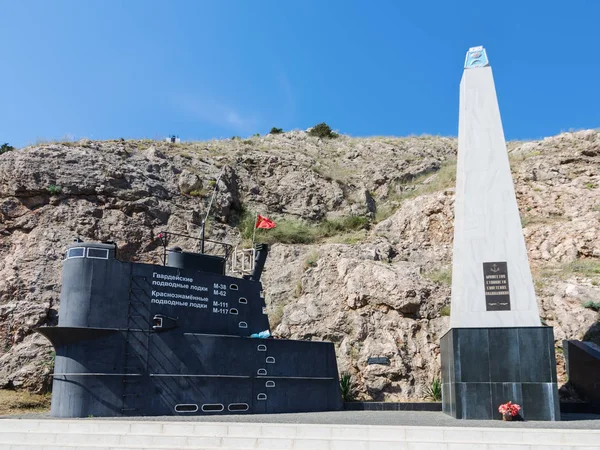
379 291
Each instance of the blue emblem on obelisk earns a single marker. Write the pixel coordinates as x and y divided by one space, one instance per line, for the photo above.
476 57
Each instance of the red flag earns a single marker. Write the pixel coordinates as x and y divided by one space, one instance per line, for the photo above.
264 222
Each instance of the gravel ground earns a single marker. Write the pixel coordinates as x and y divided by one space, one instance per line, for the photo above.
394 418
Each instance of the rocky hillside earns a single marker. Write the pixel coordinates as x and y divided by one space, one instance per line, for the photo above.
362 250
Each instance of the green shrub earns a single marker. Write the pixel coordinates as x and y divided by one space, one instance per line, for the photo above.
290 231
349 223
349 238
298 289
384 211
311 260
559 350
275 130
586 267
276 316
434 391
198 193
245 221
346 387
593 334
445 311
54 189
443 276
49 361
322 130
444 178
4 148
595 306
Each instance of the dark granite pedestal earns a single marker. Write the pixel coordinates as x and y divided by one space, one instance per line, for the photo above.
485 367
583 369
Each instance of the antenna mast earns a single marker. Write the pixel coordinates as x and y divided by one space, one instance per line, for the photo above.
216 188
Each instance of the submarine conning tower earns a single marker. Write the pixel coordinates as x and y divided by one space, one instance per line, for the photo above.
177 339
195 261
101 291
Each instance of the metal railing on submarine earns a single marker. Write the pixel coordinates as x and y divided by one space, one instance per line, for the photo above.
165 238
245 262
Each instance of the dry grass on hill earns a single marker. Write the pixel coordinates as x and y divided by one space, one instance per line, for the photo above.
20 402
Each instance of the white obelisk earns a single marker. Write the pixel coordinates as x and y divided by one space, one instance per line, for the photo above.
491 278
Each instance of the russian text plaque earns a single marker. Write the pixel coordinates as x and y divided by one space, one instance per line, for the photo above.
495 278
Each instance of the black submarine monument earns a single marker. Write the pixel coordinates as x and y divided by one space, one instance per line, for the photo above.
181 338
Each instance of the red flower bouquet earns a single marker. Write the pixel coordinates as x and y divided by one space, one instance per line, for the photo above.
509 410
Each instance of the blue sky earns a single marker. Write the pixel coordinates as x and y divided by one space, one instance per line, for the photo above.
213 69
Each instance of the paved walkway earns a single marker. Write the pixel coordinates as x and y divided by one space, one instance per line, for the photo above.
393 418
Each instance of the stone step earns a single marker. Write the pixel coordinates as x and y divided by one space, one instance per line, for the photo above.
96 434
304 444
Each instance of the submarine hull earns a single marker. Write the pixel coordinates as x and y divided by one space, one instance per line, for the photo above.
141 339
188 374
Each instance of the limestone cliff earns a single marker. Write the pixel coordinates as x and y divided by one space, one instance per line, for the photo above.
376 286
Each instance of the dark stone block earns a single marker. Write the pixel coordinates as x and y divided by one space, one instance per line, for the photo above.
447 400
446 359
578 408
504 355
505 392
555 401
583 368
540 402
392 406
534 356
471 350
519 361
459 406
477 401
434 406
305 395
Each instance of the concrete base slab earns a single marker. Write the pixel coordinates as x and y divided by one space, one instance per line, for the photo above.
297 433
105 434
